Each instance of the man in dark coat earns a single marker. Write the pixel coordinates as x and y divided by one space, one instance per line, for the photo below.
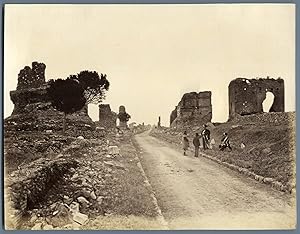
205 137
196 142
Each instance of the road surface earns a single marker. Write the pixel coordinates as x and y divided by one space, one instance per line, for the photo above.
197 193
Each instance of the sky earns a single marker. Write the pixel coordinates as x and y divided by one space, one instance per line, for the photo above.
153 54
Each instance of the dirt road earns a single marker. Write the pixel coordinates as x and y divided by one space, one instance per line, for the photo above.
196 193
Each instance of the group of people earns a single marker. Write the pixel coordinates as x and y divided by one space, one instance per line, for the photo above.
205 137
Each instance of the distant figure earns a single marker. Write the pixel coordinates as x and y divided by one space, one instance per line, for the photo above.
185 142
225 142
196 142
205 137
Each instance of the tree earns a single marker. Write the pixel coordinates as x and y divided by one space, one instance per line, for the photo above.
95 86
66 96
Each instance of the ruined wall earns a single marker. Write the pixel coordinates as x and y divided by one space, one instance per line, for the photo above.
107 118
247 95
31 77
193 109
173 115
32 106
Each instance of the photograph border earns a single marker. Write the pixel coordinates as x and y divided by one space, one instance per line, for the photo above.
147 2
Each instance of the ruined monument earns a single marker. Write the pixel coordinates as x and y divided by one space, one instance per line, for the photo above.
31 78
124 117
33 110
107 118
247 95
193 109
159 124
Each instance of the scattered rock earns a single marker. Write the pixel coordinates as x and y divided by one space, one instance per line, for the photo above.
100 200
114 164
266 150
82 200
33 218
63 215
268 180
47 227
80 218
74 207
80 138
37 226
93 195
113 150
67 199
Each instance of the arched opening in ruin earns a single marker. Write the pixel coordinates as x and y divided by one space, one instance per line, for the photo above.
268 102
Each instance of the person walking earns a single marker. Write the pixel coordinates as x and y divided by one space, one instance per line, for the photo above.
185 142
205 137
196 142
225 143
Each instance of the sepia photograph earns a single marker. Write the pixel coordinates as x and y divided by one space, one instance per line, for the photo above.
149 117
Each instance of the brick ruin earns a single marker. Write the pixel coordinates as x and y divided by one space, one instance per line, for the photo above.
193 109
107 118
247 95
32 107
32 77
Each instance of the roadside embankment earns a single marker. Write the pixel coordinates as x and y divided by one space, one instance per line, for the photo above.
263 147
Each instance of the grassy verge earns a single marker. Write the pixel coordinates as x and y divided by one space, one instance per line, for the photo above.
269 148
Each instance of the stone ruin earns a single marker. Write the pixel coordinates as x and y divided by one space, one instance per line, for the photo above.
247 95
33 110
31 77
193 109
159 123
124 117
107 118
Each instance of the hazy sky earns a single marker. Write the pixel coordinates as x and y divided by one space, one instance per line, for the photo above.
153 54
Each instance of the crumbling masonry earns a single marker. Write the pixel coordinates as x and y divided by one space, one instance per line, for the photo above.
107 118
33 109
247 95
193 109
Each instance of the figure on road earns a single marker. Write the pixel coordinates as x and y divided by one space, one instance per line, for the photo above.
205 137
196 142
185 142
225 142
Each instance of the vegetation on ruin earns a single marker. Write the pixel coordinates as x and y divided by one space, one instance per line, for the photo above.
66 96
72 94
95 86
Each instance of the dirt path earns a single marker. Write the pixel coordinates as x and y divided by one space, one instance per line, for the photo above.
200 194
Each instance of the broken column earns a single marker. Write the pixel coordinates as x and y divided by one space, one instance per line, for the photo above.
247 95
159 124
